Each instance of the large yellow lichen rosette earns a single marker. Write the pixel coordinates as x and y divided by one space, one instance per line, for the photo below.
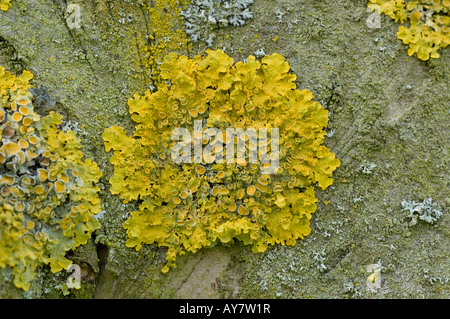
47 192
194 204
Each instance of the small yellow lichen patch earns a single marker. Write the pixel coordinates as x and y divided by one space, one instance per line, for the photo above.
429 24
166 34
5 4
31 159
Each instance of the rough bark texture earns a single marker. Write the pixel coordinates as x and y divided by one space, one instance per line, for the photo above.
385 109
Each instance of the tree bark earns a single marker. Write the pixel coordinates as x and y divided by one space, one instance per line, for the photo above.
388 124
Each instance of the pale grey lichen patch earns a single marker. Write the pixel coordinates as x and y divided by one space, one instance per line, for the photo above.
203 17
279 15
367 168
426 211
278 276
319 258
99 215
433 278
260 53
73 126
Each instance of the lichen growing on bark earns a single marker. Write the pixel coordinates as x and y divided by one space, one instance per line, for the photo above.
194 203
384 109
5 4
48 194
429 24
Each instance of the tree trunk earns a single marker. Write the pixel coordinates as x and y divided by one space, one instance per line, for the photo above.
388 124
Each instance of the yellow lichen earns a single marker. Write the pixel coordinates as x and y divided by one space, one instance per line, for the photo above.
5 4
429 24
165 34
195 204
42 178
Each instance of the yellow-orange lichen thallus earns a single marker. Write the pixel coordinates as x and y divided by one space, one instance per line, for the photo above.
47 192
187 206
429 24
